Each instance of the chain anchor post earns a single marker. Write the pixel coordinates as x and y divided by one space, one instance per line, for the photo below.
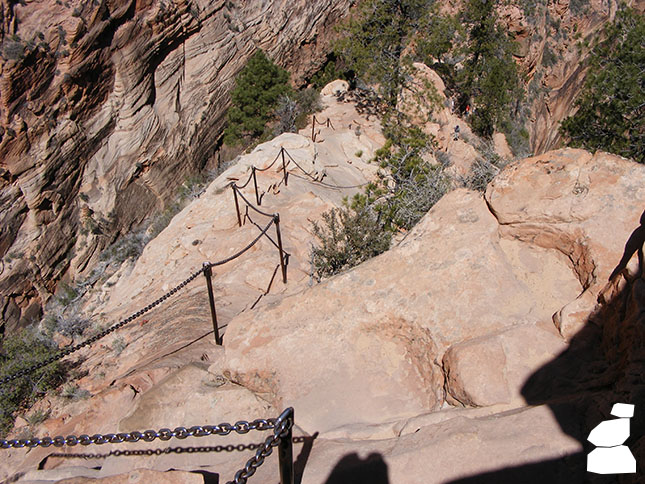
285 449
255 184
284 167
283 265
237 205
208 273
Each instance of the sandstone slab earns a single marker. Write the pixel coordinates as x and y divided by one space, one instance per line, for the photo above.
585 206
448 281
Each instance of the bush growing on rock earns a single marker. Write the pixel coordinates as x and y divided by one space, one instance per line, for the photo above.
611 106
408 186
347 238
20 351
258 87
293 109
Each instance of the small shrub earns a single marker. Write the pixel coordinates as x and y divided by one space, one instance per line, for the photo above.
67 294
358 154
19 351
443 158
68 321
308 100
37 417
129 246
287 112
484 169
13 50
73 392
118 345
416 195
294 108
578 7
347 238
548 57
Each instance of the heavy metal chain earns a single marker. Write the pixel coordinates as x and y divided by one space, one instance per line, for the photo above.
320 182
265 450
241 427
71 349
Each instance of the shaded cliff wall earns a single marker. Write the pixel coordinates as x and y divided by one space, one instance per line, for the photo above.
554 39
107 105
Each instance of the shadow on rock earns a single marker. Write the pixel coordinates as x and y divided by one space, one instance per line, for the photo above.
604 364
351 469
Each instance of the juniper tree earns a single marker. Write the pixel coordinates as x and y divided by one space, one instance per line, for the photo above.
258 87
489 77
611 105
374 41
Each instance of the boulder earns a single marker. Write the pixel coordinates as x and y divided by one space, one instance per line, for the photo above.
372 347
584 206
492 369
334 88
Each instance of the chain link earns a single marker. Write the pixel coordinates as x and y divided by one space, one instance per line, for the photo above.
241 427
281 429
265 450
320 182
71 349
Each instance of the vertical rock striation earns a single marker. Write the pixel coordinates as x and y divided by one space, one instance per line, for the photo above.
105 108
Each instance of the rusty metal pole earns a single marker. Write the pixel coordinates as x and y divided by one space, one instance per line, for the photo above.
237 205
313 127
255 183
284 166
285 449
208 273
283 266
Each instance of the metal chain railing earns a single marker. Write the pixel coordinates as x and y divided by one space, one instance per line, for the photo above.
315 180
206 270
241 427
276 220
282 436
315 122
73 348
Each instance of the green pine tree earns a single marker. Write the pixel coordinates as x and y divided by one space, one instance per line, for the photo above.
374 41
489 78
611 106
258 87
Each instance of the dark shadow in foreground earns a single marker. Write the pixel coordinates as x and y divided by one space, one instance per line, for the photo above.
351 469
604 364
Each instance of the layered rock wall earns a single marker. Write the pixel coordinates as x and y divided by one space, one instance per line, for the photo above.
106 107
554 39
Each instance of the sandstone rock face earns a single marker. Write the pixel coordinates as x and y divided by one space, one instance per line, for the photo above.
449 281
548 53
492 369
106 108
170 349
581 205
444 346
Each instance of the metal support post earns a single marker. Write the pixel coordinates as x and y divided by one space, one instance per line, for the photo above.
255 184
284 166
283 266
208 273
285 449
313 127
237 205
